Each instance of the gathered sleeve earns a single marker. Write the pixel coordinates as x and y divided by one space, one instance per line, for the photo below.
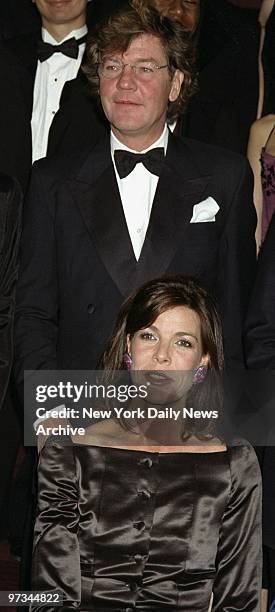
56 559
237 584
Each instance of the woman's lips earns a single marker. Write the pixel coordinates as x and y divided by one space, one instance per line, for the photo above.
158 377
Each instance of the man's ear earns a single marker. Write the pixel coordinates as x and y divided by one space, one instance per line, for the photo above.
176 84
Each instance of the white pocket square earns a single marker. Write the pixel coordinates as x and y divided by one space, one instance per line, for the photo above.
205 211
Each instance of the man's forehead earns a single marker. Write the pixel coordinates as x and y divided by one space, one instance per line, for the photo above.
144 46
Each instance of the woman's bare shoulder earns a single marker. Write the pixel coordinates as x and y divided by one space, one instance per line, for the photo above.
261 128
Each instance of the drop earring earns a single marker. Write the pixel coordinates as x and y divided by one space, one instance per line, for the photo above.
127 361
199 375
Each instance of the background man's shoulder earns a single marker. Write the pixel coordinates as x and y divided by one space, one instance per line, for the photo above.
212 159
21 50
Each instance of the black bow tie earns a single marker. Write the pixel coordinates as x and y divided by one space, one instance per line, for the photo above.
126 161
68 47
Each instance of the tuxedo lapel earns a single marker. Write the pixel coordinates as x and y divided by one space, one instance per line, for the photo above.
180 187
24 51
99 202
96 194
68 104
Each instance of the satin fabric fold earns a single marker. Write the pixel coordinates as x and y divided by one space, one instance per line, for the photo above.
120 530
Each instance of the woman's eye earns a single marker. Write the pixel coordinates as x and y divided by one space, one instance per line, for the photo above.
147 336
184 342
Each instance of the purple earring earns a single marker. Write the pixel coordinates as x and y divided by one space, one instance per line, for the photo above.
127 361
200 374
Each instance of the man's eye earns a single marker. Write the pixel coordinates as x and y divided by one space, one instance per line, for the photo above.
111 67
145 69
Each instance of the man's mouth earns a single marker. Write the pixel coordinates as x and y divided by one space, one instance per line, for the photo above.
127 102
58 2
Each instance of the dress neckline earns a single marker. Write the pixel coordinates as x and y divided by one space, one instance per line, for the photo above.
266 154
224 449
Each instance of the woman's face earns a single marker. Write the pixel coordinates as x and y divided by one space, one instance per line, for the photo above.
168 352
186 12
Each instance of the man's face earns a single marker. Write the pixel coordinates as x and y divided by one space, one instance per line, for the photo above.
57 12
137 108
186 12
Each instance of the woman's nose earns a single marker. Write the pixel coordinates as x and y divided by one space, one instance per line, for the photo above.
162 354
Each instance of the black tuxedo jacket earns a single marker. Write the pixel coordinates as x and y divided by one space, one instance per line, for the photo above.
10 227
77 261
75 125
260 321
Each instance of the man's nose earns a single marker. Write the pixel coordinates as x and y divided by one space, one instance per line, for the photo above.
127 78
177 10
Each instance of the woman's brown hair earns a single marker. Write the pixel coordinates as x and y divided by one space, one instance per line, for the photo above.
142 308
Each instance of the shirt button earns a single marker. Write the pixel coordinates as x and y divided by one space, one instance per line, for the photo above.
145 495
139 231
90 309
146 462
139 525
138 558
55 79
53 112
132 586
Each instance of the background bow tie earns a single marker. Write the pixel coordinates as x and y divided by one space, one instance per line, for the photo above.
126 161
68 47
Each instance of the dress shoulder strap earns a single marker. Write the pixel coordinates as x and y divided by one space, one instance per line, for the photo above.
270 135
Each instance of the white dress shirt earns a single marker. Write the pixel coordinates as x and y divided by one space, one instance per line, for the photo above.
51 76
137 192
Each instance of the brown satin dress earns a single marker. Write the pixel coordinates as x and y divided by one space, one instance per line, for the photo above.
121 530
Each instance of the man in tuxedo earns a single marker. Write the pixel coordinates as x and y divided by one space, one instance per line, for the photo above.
140 204
227 36
45 106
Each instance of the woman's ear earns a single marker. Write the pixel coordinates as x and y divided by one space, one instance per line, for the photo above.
128 344
205 360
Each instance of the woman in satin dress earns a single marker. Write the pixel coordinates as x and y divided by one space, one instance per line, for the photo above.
153 515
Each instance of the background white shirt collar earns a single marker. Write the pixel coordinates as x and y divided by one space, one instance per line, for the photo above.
47 37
